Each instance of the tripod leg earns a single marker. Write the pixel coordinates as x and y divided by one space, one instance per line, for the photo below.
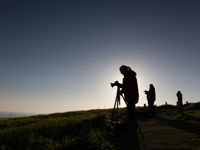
117 110
114 110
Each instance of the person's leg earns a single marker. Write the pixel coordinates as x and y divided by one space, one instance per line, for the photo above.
133 125
131 113
153 109
181 108
149 106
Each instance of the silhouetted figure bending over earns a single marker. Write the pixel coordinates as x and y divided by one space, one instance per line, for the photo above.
151 97
130 91
179 102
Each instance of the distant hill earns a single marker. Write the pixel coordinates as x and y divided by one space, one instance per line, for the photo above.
92 130
5 115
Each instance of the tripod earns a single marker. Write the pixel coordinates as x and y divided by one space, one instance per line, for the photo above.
114 117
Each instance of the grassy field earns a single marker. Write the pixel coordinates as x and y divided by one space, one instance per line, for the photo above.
90 130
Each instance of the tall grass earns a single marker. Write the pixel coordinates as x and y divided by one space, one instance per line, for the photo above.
90 130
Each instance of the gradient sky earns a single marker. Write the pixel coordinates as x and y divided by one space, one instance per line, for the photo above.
59 56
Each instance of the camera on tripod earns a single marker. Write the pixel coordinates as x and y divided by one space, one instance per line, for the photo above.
114 118
116 83
146 92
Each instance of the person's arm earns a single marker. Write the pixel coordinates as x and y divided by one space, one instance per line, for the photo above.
120 85
127 85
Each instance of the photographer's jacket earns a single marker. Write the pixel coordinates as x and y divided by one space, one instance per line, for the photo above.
130 87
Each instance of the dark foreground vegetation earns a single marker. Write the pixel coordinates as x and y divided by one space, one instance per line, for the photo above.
88 130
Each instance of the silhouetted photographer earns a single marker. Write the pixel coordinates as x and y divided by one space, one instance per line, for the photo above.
151 97
129 91
179 102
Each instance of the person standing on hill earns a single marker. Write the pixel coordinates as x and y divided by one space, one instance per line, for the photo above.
130 91
151 97
179 102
